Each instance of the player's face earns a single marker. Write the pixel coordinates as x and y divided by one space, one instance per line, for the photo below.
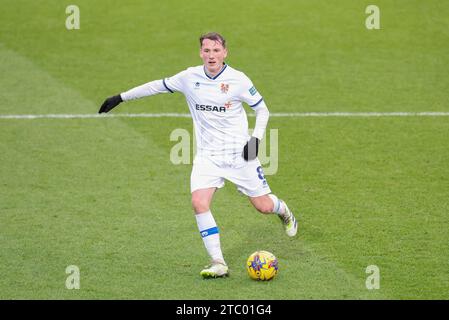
213 55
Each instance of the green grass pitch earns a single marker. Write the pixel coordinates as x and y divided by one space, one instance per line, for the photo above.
103 195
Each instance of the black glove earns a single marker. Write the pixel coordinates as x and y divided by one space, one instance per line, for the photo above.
251 149
110 103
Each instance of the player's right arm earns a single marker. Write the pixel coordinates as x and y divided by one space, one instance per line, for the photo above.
166 85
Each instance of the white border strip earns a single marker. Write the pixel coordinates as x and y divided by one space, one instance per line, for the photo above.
362 114
95 115
187 115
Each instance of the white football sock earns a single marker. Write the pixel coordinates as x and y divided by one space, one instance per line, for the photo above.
278 205
211 237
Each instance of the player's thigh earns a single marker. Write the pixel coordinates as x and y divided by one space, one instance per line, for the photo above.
249 178
205 174
206 177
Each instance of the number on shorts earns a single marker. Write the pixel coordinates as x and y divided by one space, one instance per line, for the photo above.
260 173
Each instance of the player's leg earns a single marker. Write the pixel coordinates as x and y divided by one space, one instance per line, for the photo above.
204 181
270 203
201 200
251 181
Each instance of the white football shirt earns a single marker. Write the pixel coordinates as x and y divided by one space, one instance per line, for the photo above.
220 121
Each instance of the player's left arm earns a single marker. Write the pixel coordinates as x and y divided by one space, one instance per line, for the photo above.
251 149
262 116
253 98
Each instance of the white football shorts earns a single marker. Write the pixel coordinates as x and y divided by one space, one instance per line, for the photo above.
212 171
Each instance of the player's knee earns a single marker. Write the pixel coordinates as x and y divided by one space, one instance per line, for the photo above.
200 204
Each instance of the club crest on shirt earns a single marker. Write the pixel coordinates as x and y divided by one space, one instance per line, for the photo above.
228 104
197 85
224 88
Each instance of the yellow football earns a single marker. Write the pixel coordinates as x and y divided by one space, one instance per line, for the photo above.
262 265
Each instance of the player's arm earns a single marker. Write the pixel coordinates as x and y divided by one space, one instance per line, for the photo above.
145 90
262 116
251 149
252 97
172 84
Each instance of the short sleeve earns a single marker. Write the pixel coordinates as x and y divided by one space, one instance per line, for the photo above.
176 82
249 93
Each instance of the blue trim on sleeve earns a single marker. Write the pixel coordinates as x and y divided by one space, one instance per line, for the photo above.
209 232
254 105
165 85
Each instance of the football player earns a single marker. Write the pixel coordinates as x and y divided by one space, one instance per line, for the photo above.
215 92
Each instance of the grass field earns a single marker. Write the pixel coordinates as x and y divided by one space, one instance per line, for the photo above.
102 193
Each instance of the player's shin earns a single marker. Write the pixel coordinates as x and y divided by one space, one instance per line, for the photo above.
210 234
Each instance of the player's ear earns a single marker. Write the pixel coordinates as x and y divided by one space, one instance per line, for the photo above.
225 52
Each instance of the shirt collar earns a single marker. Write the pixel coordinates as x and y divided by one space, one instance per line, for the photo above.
218 74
